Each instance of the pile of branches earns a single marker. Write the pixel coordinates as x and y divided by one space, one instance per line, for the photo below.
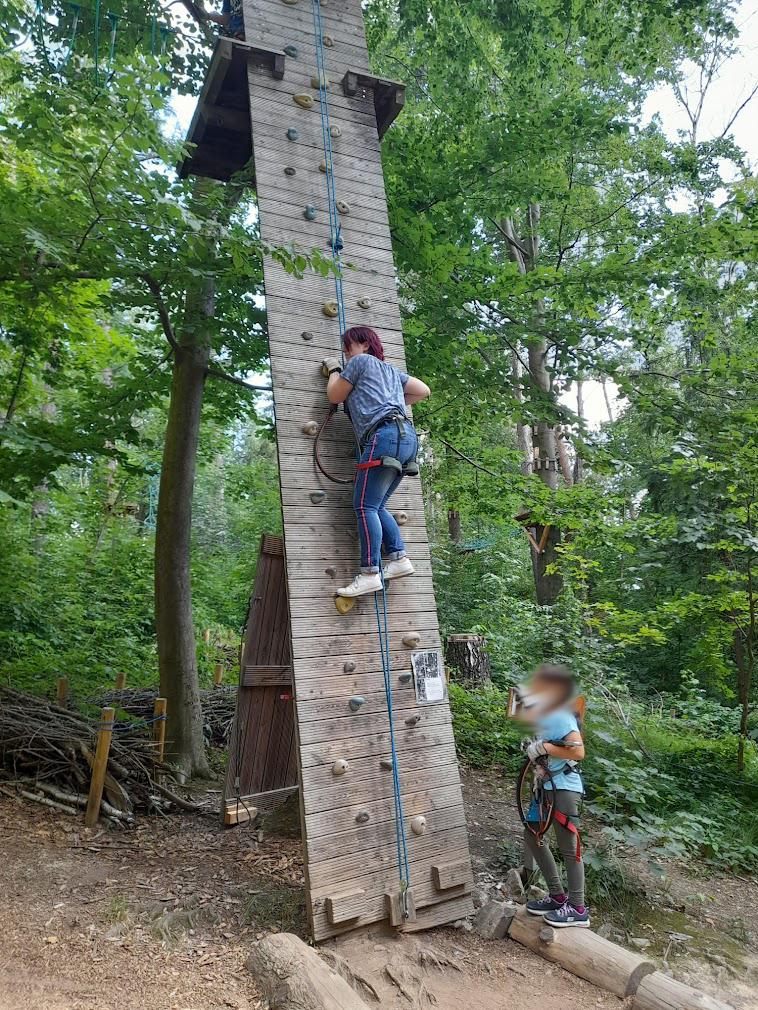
46 754
218 708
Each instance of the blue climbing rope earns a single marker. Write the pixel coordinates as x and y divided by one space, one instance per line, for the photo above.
381 615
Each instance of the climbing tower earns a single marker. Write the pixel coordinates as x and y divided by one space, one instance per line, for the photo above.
383 824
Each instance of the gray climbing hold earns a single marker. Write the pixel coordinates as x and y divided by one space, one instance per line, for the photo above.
356 702
386 763
292 133
306 335
412 720
404 678
349 666
340 766
310 212
362 816
401 518
323 167
332 571
317 497
291 51
335 131
364 302
328 41
289 171
310 428
412 640
342 207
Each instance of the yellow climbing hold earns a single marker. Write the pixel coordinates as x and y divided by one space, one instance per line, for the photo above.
331 309
320 82
323 167
304 101
344 604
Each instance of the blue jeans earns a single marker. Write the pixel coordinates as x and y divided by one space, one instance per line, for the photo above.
372 489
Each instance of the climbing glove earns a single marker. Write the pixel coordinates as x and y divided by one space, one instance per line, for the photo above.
536 749
329 365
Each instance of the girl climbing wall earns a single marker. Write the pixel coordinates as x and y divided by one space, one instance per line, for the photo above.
558 746
375 394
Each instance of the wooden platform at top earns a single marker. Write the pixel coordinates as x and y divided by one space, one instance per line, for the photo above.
219 141
349 836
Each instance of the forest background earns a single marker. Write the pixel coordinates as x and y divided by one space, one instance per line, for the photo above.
550 237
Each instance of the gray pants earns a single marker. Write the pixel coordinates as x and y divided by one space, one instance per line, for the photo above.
566 802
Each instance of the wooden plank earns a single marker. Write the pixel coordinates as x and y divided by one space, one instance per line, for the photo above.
344 907
365 724
437 915
323 753
346 788
267 676
452 873
238 812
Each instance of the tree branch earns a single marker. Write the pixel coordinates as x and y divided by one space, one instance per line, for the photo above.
217 373
163 315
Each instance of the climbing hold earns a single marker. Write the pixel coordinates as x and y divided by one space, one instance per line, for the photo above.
386 763
401 518
413 719
356 702
364 303
331 309
292 133
306 335
349 666
342 207
344 604
317 497
335 131
321 81
310 428
412 640
328 41
331 571
303 100
291 51
340 766
362 816
310 212
290 3
405 677
418 824
323 167
289 171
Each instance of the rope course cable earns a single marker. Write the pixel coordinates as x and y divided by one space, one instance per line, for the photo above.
32 22
75 8
381 614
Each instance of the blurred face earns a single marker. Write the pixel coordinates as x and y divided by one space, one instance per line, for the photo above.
352 349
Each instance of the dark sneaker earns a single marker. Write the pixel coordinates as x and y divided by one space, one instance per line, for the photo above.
544 905
567 915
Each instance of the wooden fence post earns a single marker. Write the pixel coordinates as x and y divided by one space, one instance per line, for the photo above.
218 674
207 635
120 681
99 766
159 732
61 691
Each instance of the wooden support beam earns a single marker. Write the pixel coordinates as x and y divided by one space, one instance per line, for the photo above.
292 976
397 908
583 953
455 873
61 691
99 766
389 96
344 907
661 992
159 731
267 676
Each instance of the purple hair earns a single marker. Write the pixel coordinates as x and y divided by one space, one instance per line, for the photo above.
364 335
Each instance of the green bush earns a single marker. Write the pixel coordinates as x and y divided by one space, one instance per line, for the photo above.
483 734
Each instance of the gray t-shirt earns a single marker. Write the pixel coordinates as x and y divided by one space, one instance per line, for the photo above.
377 391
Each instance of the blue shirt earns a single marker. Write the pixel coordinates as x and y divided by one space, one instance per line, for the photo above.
234 9
555 727
377 391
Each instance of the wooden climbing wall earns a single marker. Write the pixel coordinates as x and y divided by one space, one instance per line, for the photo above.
351 864
262 766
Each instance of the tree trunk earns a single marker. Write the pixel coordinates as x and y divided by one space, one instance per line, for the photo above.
563 458
466 654
522 432
177 659
578 464
454 525
661 992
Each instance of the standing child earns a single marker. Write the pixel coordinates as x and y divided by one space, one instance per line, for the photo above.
559 745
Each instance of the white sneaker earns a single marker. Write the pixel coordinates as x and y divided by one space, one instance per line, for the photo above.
398 569
362 585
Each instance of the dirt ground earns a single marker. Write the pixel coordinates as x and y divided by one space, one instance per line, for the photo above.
162 918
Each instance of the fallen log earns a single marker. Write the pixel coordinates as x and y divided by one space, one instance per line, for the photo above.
583 953
292 976
661 992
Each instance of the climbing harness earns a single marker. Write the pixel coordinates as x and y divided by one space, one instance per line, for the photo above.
381 614
409 469
535 803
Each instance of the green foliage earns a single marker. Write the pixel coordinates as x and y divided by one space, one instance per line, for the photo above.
483 735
